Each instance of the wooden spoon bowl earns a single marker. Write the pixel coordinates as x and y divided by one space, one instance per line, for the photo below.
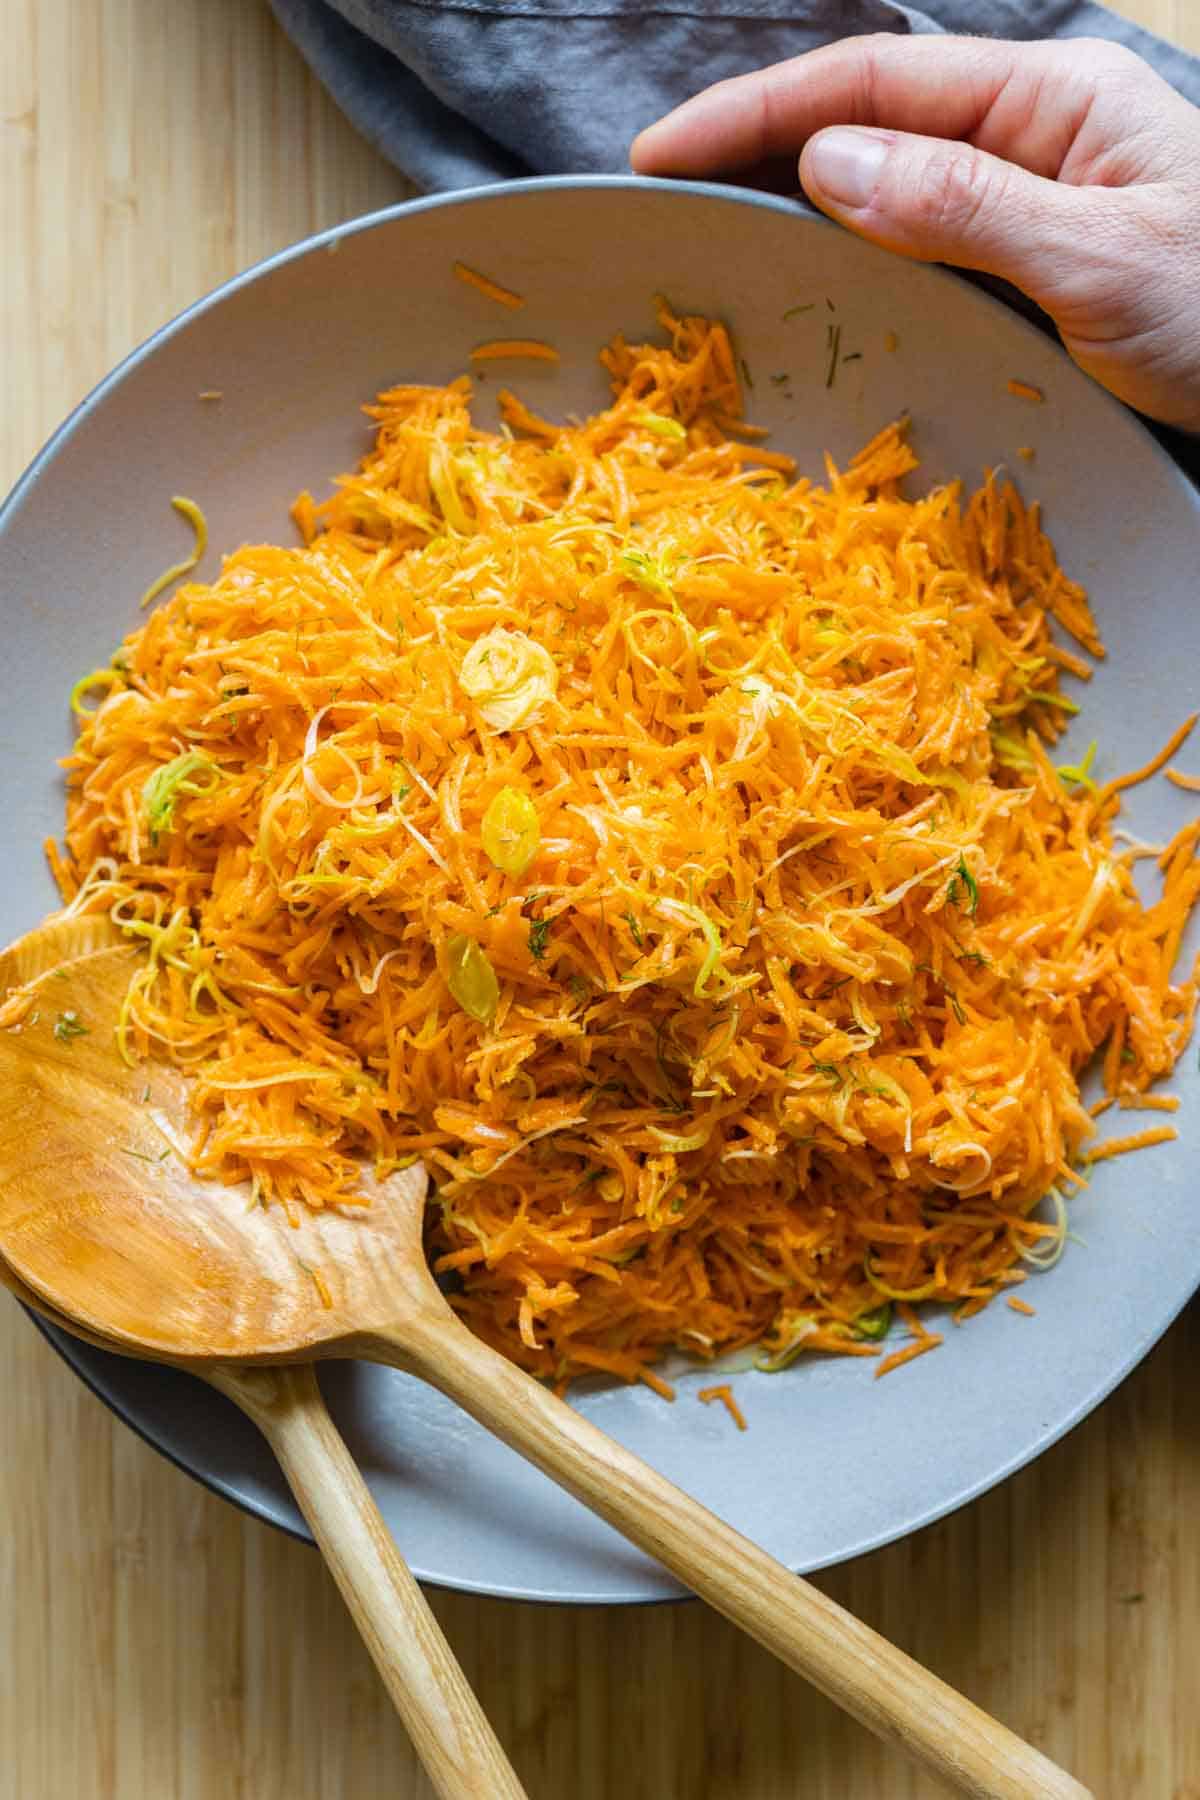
102 1215
102 1220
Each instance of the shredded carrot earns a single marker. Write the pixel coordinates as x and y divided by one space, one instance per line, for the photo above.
211 394
488 287
1025 390
1022 1306
1191 783
930 1341
322 1287
1149 1103
1137 1140
656 1384
1026 452
724 1393
1168 750
1099 1107
666 850
195 518
530 348
890 341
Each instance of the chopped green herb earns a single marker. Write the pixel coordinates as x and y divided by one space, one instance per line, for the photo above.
853 356
649 573
831 1072
952 997
794 311
539 931
962 881
835 347
778 380
635 930
69 1025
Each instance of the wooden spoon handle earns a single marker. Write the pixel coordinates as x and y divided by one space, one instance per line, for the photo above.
881 1686
447 1725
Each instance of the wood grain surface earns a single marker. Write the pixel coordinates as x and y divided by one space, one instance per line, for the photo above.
154 1643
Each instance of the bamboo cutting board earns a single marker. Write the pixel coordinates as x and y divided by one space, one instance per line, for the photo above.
155 1644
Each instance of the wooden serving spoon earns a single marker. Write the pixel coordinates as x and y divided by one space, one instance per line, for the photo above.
102 1220
451 1734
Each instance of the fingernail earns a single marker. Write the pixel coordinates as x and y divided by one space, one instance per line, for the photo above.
846 165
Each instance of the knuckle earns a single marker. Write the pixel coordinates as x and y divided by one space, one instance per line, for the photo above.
1101 58
955 189
865 67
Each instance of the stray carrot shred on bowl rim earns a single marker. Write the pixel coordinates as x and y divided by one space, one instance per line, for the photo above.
669 852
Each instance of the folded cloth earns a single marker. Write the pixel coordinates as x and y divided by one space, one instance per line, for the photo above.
457 92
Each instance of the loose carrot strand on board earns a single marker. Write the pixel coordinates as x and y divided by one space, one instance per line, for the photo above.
724 1393
1190 783
1021 1306
665 849
491 289
1025 390
1149 1103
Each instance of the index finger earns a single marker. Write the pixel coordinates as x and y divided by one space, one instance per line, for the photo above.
990 92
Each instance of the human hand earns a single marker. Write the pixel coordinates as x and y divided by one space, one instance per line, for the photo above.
1069 168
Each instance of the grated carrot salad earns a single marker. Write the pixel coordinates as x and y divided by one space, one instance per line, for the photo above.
667 850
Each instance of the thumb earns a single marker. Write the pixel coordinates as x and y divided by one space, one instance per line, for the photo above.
944 201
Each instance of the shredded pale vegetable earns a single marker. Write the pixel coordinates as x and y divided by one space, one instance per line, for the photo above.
666 850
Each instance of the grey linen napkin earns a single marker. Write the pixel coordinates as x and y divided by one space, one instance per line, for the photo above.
457 92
